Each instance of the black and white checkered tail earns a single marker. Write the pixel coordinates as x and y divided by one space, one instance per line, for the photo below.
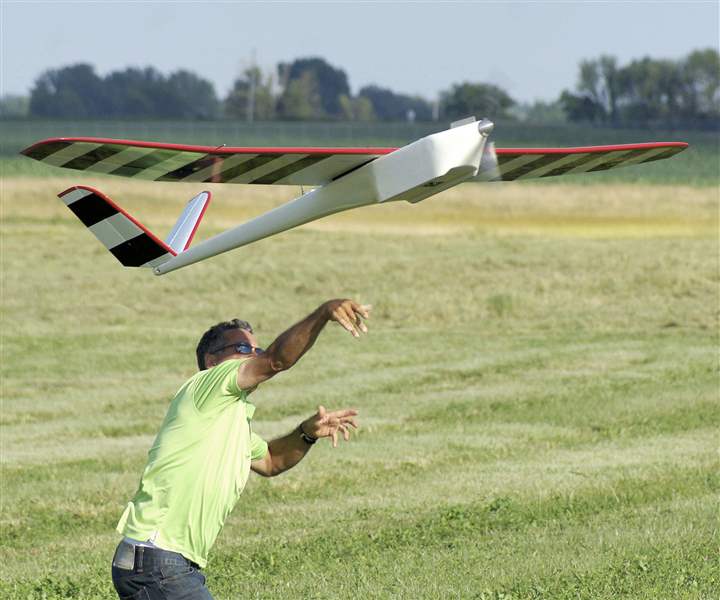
126 238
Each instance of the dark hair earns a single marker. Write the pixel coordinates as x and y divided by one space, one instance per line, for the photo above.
213 336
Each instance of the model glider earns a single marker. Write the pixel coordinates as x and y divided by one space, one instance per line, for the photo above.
343 178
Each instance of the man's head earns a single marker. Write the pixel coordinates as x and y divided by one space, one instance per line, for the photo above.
226 340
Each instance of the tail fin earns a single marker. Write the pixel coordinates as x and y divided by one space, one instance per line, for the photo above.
126 238
182 234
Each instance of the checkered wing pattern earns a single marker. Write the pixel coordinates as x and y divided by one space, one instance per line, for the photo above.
531 163
126 239
309 166
171 162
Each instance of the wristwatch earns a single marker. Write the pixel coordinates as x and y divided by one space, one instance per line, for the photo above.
308 439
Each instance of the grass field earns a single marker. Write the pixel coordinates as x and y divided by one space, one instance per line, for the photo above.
538 393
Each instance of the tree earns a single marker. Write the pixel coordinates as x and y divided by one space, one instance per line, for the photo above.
191 97
581 108
598 82
301 100
356 109
138 93
238 103
700 84
76 91
73 91
328 82
648 91
479 99
389 106
541 112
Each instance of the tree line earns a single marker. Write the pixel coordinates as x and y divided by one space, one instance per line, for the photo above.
646 91
684 92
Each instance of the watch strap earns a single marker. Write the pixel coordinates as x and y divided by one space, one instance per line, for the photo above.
308 439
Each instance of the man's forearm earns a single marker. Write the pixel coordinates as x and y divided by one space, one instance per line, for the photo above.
289 346
287 451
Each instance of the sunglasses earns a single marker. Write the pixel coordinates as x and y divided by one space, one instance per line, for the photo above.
240 348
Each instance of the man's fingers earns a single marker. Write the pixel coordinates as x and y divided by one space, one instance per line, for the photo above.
342 414
329 423
342 319
349 420
362 309
346 320
346 432
350 315
354 319
359 313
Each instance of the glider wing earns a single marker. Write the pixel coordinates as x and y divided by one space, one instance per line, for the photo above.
175 162
529 163
311 166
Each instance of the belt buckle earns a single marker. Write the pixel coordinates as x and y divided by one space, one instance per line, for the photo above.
124 557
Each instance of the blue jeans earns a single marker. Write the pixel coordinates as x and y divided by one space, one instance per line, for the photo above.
142 573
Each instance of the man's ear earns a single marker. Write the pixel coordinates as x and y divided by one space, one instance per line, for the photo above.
210 361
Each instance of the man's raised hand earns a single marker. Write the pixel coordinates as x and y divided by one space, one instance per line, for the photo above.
329 424
349 314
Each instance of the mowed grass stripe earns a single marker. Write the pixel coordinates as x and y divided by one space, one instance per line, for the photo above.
595 408
623 415
644 469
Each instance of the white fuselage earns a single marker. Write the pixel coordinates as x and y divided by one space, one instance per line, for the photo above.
412 173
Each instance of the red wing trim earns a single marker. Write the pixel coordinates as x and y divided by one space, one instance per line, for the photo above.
149 233
213 149
586 149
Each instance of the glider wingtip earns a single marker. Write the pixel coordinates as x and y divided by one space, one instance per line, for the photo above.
72 188
30 150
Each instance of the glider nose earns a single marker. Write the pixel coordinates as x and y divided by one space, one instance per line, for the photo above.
485 127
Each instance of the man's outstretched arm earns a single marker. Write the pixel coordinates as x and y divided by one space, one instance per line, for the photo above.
285 452
287 349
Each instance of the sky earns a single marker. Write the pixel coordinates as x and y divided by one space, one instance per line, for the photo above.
531 49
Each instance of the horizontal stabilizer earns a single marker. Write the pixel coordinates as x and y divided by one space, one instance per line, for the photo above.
126 238
182 234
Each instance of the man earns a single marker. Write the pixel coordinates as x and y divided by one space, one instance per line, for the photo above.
202 455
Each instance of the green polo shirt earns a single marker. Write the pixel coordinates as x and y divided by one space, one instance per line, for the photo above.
197 466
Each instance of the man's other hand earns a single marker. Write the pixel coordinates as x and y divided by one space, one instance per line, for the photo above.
349 314
329 424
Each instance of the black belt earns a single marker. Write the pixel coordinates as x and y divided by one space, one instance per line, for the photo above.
147 558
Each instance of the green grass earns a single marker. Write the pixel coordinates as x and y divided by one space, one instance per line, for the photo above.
539 411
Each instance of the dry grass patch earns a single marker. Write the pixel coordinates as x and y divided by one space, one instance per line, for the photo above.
620 210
